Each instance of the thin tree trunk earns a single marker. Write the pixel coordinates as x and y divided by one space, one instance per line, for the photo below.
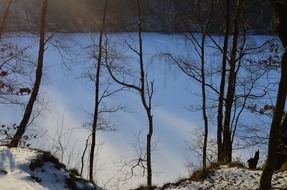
145 91
204 33
222 84
227 143
147 105
97 95
203 91
83 155
29 108
148 149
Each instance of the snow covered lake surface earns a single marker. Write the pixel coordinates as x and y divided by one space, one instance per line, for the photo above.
69 98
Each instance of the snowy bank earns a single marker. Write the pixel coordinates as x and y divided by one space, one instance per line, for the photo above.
229 178
36 170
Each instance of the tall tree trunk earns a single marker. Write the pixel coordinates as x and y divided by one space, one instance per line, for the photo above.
227 143
29 108
203 92
147 105
204 156
145 90
97 94
275 131
148 149
222 84
280 8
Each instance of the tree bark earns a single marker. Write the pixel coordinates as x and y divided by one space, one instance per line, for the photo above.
222 85
227 143
29 108
204 116
148 149
280 8
275 131
203 92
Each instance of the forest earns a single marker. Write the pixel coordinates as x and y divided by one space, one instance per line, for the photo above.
143 95
85 16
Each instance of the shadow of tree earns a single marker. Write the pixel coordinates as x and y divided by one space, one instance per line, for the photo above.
7 160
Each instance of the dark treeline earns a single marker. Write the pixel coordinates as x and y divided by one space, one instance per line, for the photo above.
85 15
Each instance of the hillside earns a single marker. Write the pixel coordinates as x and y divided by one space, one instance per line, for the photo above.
36 170
231 178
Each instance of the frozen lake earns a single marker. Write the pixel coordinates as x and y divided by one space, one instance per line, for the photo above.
70 98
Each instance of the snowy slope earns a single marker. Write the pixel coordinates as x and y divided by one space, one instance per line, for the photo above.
25 169
231 179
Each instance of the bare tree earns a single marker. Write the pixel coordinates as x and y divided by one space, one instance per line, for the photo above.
29 108
145 89
240 76
227 144
15 65
201 45
280 8
223 81
97 93
104 88
199 17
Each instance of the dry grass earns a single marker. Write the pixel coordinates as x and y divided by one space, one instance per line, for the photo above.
236 164
200 174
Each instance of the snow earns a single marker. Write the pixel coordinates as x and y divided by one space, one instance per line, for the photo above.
233 178
27 169
17 172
